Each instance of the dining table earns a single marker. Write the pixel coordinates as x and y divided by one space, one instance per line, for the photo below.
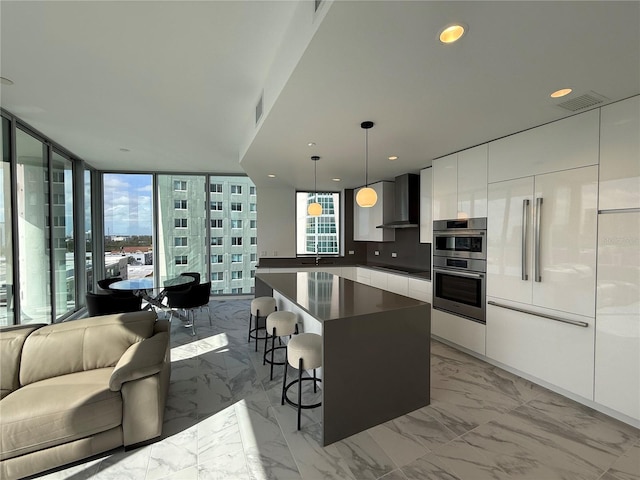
151 290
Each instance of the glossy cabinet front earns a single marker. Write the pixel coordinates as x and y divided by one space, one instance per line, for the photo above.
620 155
426 201
617 365
541 240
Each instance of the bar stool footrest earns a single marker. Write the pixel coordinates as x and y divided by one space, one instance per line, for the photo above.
292 382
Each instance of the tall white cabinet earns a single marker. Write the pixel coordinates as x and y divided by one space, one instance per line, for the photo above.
460 184
426 195
541 253
617 355
620 155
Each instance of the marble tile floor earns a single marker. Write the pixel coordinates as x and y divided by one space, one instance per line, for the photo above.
224 421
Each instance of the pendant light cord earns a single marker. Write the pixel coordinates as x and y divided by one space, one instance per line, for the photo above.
366 158
315 179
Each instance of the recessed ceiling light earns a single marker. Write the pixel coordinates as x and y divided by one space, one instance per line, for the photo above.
311 144
271 175
5 81
452 33
125 150
335 179
561 93
393 157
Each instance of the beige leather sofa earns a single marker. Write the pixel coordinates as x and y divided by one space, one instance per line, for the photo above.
78 388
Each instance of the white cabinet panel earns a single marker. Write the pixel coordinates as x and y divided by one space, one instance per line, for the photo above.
566 202
509 221
445 187
426 215
617 365
558 353
620 155
398 284
349 273
472 182
420 289
568 236
461 331
363 275
379 279
568 143
365 220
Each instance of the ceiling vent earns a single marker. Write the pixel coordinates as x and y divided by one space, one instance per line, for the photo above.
259 109
589 99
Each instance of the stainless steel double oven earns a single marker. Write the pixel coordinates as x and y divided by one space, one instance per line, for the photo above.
460 266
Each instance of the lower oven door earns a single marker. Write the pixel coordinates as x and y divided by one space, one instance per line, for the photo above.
460 293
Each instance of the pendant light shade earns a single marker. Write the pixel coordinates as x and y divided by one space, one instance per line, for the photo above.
367 196
315 209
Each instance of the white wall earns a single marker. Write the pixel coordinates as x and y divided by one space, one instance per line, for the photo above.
276 222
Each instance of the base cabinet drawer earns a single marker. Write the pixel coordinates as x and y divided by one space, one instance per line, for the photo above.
553 351
458 330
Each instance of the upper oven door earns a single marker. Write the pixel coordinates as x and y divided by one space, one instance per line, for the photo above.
460 244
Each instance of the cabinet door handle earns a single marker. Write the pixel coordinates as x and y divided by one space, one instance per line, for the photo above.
536 261
577 323
525 234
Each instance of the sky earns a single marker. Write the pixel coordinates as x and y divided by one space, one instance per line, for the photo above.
127 204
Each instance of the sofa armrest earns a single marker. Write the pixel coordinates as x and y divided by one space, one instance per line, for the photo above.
140 360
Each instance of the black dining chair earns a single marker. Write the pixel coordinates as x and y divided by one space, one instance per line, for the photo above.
105 283
195 275
112 303
188 299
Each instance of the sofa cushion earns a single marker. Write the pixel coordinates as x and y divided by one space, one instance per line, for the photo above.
77 345
58 410
11 341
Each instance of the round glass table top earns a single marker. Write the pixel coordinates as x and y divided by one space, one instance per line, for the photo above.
148 283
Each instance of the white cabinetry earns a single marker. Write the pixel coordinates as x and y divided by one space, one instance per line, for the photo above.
541 259
363 275
568 143
365 220
557 212
460 184
620 155
426 195
398 284
445 187
617 365
348 273
420 289
459 330
556 352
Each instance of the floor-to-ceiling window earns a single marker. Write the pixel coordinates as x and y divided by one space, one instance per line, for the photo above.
62 232
88 229
128 225
318 235
232 232
6 237
182 242
34 262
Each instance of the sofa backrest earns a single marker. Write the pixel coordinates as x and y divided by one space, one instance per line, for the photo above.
79 345
11 342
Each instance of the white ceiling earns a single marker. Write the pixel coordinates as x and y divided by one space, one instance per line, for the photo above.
177 82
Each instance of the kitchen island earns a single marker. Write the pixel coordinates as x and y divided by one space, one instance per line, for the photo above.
376 347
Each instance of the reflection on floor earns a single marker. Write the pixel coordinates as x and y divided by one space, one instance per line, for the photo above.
224 421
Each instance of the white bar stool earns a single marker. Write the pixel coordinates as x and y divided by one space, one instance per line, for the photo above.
304 351
261 307
279 324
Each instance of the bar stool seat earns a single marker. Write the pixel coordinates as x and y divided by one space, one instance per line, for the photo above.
261 307
279 324
304 351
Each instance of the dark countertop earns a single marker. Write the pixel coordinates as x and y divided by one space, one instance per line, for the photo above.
328 297
411 272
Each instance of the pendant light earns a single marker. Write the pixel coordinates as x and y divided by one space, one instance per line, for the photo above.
367 196
315 209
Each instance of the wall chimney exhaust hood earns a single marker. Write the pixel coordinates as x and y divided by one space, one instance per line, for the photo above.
407 202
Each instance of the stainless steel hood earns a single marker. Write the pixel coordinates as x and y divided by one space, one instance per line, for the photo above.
407 202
